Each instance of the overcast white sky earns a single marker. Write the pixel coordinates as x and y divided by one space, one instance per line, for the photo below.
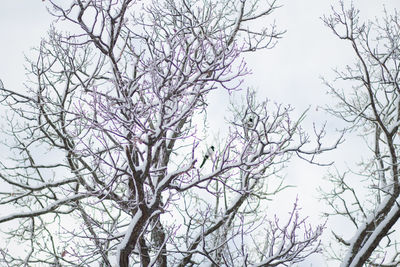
288 73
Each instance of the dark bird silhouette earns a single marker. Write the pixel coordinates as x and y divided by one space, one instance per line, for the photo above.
208 154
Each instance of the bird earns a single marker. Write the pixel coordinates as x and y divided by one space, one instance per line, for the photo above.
250 123
208 154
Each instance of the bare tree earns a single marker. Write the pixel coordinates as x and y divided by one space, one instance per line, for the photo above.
117 107
372 108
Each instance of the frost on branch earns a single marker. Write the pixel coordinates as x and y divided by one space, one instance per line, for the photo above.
290 242
115 106
369 102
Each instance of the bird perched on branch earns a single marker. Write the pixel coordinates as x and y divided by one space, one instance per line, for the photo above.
248 124
207 155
